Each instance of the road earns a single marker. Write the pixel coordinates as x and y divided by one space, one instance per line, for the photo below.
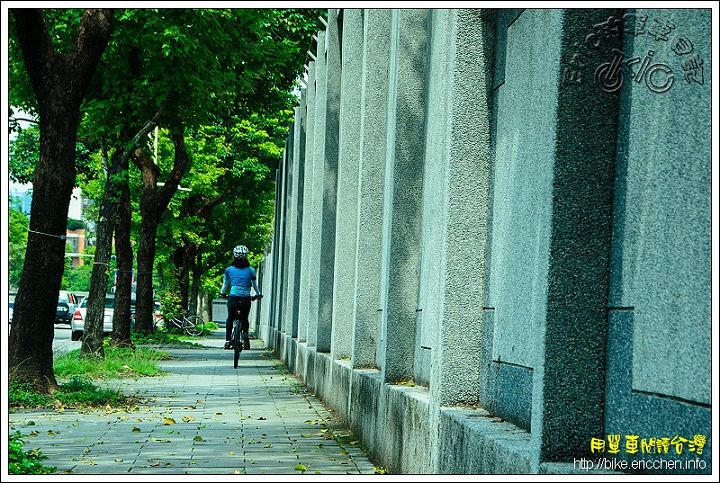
62 342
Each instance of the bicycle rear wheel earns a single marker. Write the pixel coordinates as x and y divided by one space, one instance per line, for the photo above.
237 344
194 325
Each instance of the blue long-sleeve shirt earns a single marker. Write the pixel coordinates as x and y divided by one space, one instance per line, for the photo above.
239 281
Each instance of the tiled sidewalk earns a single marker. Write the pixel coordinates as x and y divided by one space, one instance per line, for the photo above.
203 418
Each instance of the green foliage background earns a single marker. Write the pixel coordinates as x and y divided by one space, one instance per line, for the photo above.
227 76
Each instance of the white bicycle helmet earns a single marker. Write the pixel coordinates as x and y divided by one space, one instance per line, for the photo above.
240 251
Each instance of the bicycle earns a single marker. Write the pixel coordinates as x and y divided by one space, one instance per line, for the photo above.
238 337
192 325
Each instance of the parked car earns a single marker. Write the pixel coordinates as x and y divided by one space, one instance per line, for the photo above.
157 314
66 305
77 326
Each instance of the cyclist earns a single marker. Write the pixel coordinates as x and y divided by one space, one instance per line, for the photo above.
238 279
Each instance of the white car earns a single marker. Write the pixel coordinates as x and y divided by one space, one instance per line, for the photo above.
77 325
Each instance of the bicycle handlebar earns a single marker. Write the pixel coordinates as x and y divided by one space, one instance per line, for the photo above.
253 298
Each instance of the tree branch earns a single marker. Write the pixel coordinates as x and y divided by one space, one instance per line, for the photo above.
36 46
144 131
19 119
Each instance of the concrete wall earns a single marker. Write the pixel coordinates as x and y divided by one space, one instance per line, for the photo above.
490 238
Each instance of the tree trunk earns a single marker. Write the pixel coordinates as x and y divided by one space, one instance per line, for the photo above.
144 292
60 84
195 270
187 258
182 264
152 206
92 342
92 339
185 263
123 291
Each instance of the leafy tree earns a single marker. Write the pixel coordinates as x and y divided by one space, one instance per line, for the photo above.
240 201
24 155
231 181
73 224
181 70
18 224
59 80
92 340
78 278
242 61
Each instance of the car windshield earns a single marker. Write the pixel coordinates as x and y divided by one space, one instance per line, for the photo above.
109 302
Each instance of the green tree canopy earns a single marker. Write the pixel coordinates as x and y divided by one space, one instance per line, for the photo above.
191 72
18 224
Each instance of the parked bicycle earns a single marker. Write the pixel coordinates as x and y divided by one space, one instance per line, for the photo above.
192 325
238 336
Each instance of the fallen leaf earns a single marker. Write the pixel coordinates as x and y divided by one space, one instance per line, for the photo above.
169 421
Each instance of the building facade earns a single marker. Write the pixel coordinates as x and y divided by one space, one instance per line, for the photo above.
493 238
